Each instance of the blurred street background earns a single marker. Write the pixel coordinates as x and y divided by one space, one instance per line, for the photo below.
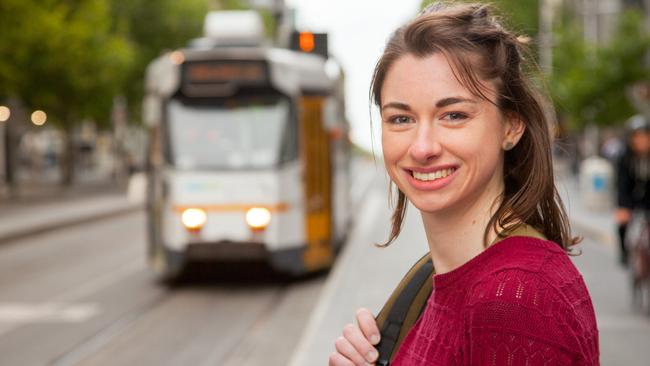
84 181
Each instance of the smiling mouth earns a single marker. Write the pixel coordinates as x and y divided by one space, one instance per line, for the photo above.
427 177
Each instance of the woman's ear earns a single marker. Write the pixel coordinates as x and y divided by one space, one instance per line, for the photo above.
514 129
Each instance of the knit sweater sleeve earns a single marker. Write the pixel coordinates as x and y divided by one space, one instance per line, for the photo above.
517 317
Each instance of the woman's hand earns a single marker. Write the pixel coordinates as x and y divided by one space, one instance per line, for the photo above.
355 347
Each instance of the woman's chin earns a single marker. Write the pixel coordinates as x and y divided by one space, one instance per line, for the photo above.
428 206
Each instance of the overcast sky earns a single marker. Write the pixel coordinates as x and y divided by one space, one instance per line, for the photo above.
358 30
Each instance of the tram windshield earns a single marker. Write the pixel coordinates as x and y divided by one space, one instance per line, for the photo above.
252 133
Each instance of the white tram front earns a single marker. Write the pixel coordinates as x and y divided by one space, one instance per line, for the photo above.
248 156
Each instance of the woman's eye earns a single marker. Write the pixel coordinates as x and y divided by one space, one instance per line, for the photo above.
399 120
454 117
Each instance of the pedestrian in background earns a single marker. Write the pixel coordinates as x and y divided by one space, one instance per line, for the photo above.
633 177
467 141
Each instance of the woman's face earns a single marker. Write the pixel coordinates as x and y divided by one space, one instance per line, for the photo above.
442 145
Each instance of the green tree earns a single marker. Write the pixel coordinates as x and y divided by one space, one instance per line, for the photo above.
62 57
588 82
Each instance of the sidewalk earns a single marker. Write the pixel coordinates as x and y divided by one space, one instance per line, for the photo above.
597 225
365 275
45 209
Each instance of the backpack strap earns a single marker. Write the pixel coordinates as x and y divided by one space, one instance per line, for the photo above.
403 308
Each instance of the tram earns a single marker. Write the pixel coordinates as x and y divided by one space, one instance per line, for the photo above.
248 154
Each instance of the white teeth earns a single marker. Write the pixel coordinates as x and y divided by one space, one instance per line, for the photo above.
434 175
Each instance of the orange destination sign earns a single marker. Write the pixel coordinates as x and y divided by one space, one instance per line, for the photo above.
237 72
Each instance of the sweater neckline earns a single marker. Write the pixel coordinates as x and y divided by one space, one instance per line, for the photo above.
445 279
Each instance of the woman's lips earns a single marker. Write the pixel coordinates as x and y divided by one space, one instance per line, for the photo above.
431 179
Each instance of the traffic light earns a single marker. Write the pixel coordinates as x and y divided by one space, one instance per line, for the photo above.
309 42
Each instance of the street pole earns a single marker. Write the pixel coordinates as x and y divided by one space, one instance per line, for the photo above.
119 118
12 132
590 20
3 160
546 9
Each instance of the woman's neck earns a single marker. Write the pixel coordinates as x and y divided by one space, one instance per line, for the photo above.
457 235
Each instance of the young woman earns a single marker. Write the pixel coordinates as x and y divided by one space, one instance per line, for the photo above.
466 140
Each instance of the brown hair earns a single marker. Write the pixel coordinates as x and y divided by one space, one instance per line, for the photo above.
461 32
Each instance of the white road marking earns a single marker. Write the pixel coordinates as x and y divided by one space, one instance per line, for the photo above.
64 307
367 216
23 313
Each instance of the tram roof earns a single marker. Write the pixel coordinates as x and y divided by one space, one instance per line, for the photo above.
291 72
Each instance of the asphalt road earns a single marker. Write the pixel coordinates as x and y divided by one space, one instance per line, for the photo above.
84 296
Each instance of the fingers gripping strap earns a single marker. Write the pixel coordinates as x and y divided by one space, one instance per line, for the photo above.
408 290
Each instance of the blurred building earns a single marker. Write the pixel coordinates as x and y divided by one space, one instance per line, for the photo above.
599 17
598 20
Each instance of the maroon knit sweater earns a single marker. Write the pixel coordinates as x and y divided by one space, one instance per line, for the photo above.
519 302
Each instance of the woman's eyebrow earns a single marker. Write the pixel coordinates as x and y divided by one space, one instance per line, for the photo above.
396 105
453 100
439 104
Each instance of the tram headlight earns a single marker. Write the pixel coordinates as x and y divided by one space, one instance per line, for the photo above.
258 218
194 218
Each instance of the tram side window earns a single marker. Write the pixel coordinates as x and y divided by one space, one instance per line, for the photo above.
290 140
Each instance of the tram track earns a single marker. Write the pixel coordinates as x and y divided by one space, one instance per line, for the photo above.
96 342
245 344
223 321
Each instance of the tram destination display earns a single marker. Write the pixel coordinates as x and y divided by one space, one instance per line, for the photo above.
215 78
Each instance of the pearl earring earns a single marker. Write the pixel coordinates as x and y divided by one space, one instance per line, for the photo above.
508 146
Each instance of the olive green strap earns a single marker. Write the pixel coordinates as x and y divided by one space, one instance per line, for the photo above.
403 308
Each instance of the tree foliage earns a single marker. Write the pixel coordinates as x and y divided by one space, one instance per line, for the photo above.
71 58
62 57
519 15
588 81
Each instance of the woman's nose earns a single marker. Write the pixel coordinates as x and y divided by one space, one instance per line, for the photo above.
425 146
